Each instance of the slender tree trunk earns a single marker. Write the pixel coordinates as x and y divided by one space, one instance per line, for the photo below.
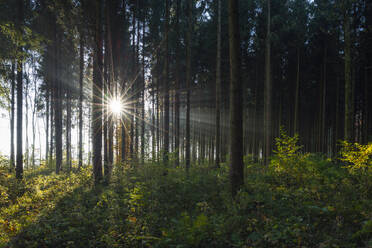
47 124
19 166
166 86
106 94
68 133
323 110
58 108
123 119
52 102
188 81
105 111
157 121
349 111
153 133
297 94
12 117
143 128
137 90
26 124
321 115
218 87
33 123
236 97
110 89
177 90
97 97
267 91
134 75
255 138
336 135
81 78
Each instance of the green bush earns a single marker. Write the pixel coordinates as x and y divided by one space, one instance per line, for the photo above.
288 160
357 157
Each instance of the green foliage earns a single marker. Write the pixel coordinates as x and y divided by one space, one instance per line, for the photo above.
143 207
358 157
288 160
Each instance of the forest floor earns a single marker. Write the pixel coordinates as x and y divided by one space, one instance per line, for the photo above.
145 207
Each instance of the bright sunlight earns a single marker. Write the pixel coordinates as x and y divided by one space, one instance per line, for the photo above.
116 106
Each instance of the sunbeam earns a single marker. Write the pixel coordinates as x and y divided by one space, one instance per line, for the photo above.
116 106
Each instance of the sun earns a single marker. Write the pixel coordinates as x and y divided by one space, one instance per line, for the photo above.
116 106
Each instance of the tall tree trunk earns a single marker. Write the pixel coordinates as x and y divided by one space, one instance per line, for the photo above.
68 132
12 101
322 91
19 166
157 120
97 97
218 86
177 93
47 124
33 123
106 94
336 135
153 133
81 78
267 91
51 124
105 107
110 89
26 124
166 86
123 119
188 80
297 94
137 89
143 95
236 97
58 106
134 77
349 111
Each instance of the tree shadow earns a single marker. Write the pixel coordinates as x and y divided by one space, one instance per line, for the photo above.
82 218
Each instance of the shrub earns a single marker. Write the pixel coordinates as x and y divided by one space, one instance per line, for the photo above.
357 157
288 158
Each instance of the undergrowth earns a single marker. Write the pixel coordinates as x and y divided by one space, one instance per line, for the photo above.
301 200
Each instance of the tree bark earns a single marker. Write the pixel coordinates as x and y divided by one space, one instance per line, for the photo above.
143 128
297 94
267 91
12 117
81 78
110 88
349 111
97 97
19 165
58 106
322 98
47 124
188 81
68 132
218 86
177 93
166 86
236 97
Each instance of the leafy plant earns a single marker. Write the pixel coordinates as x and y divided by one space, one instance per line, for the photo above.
357 156
288 157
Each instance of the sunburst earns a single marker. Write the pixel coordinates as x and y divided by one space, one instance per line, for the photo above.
116 106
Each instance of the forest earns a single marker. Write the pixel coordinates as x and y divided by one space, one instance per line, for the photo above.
186 123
